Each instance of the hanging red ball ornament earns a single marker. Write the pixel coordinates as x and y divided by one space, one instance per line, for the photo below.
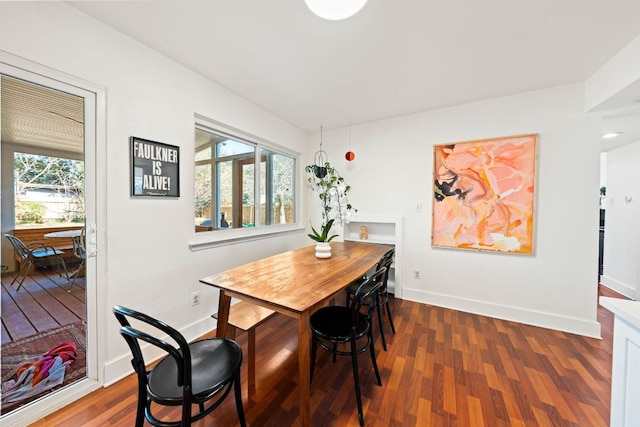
350 155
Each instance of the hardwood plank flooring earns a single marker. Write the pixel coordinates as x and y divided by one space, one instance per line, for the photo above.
41 304
443 368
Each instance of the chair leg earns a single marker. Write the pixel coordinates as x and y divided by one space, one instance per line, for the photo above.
142 398
19 273
186 413
356 379
238 395
373 358
314 349
64 267
75 275
379 312
29 266
393 328
22 273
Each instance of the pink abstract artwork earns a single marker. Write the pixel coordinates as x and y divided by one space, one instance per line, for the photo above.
484 194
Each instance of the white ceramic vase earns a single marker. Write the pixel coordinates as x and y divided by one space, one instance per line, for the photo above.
323 250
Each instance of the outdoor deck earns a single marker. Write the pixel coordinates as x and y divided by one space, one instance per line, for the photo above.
41 304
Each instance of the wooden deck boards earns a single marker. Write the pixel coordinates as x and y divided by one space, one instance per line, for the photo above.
41 304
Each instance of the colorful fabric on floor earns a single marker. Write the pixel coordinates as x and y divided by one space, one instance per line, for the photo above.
37 376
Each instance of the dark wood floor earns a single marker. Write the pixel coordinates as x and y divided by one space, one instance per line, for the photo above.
41 304
443 368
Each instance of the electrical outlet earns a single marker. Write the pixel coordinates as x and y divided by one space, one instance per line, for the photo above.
416 274
195 298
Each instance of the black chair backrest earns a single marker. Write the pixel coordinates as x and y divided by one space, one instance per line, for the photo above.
182 354
367 295
387 259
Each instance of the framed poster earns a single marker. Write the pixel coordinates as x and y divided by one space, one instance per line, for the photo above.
155 168
483 194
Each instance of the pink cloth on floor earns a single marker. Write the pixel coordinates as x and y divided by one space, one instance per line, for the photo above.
35 377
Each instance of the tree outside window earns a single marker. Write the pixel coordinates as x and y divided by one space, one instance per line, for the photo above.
48 190
226 187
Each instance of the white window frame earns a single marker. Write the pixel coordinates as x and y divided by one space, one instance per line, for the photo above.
213 238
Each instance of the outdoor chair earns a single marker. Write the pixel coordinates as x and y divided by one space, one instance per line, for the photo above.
335 326
34 255
201 372
383 294
80 252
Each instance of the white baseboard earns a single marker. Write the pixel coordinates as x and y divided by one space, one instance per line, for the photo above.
515 314
621 288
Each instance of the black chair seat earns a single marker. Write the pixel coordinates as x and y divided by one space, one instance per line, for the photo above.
334 322
212 365
353 286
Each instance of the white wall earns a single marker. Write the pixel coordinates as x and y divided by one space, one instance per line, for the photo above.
622 223
557 286
149 264
151 268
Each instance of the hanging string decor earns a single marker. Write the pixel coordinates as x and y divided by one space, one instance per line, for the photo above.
350 156
320 159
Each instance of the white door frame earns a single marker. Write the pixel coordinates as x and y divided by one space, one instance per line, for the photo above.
95 214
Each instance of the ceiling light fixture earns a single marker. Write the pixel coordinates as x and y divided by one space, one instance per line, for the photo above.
611 135
335 10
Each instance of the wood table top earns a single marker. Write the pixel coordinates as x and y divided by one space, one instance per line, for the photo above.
297 280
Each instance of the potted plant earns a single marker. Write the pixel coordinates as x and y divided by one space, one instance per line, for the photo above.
322 239
331 190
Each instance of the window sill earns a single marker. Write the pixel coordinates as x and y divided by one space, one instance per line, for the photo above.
212 239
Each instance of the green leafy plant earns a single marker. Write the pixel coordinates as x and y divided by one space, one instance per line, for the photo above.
332 191
30 212
323 235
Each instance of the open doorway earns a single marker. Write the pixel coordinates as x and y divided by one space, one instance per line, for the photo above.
48 204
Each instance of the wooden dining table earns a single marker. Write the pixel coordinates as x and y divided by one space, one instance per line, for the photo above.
296 284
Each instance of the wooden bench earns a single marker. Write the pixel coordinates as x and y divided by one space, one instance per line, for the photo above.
246 316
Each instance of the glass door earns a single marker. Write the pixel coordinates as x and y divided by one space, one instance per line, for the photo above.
48 203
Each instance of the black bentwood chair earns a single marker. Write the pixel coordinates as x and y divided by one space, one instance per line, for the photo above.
383 294
189 374
335 325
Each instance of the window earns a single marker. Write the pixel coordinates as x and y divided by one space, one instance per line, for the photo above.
240 183
48 190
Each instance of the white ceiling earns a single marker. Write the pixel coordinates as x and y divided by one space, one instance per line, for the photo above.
393 58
